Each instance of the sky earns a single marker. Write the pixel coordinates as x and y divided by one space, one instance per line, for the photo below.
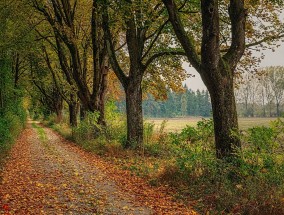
270 59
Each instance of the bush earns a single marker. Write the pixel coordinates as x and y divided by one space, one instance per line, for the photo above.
88 128
252 183
263 139
11 124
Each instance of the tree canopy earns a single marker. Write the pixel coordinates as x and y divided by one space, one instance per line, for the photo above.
65 53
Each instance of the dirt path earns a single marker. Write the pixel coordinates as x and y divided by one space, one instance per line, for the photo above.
48 175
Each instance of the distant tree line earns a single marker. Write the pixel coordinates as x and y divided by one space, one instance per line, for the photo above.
262 96
177 104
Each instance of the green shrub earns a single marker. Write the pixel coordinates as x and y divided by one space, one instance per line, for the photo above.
148 132
88 128
11 124
205 129
252 183
189 134
262 139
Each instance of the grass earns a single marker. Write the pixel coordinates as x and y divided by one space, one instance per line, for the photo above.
40 131
177 124
189 166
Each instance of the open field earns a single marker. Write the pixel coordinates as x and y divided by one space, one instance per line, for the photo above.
177 124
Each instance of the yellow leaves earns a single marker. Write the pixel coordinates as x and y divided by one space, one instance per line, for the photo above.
125 208
56 178
64 185
39 184
7 196
239 186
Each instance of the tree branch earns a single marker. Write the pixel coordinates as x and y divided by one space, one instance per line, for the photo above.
158 33
237 15
113 60
165 53
265 39
186 41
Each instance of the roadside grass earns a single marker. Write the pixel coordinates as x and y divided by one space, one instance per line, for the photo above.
11 126
40 131
185 161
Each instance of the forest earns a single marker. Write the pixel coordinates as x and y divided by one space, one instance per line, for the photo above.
80 79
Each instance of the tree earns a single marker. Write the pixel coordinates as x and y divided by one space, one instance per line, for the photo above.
216 70
247 94
142 28
219 57
68 92
72 31
275 76
50 97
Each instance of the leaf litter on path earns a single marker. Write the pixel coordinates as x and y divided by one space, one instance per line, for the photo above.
54 176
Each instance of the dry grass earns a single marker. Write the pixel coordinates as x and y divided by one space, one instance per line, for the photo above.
177 124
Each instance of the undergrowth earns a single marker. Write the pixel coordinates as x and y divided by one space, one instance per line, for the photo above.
11 124
250 184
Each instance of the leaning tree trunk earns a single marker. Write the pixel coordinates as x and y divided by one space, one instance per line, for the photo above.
134 113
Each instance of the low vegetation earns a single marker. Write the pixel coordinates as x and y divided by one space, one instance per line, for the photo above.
252 183
12 113
10 127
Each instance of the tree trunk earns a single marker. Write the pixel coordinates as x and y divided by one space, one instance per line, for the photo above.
216 68
134 114
83 111
270 109
101 95
59 115
221 89
263 104
73 112
278 109
17 70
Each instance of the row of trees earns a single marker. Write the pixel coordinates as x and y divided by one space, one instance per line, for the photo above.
262 96
12 113
76 45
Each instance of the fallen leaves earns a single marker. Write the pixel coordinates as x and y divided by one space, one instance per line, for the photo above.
55 177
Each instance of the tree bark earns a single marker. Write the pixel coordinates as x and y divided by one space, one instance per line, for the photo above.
101 97
58 109
270 109
83 111
16 70
278 109
61 17
73 112
224 115
216 70
133 92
